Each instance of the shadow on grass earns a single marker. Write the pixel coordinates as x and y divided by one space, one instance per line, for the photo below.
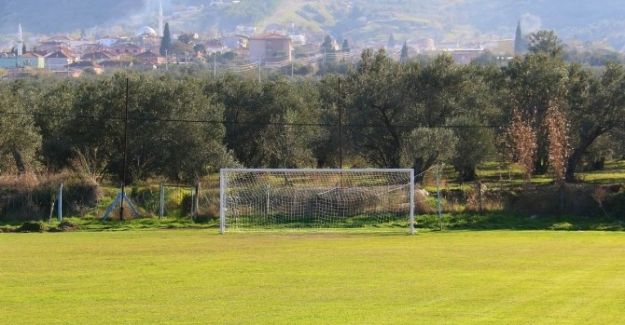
501 221
388 224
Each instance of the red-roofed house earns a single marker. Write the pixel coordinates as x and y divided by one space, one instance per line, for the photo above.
149 58
98 56
126 49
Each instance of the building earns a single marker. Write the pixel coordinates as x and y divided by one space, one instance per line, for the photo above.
78 68
214 46
128 49
98 56
464 56
28 60
59 60
51 46
298 39
270 48
234 42
149 58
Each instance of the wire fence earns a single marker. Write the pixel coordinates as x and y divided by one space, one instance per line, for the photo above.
437 196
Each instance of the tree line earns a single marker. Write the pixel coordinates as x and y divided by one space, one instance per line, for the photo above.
378 113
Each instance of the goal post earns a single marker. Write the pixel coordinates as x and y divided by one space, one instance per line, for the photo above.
272 199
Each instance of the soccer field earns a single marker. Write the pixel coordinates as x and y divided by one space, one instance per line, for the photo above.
199 277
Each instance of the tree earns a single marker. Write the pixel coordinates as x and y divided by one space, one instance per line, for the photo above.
475 143
403 58
520 44
345 46
328 45
391 42
596 107
377 96
166 41
547 42
261 117
424 147
521 141
185 38
20 140
534 82
557 125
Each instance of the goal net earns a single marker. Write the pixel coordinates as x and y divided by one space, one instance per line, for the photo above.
316 198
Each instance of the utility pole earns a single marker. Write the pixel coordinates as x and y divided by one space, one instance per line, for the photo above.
123 195
340 107
166 60
259 77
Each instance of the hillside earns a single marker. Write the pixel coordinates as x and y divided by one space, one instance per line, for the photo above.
444 20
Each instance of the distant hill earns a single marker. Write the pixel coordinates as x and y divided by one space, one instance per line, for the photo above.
54 16
444 20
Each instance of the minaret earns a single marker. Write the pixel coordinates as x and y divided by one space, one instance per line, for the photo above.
161 19
20 40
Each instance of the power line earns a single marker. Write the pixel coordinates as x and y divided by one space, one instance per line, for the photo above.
254 123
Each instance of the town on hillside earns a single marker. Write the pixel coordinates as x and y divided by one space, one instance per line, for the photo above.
243 48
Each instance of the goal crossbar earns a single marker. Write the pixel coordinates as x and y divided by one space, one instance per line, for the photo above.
318 198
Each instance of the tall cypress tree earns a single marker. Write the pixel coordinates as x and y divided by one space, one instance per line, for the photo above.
166 40
404 53
391 41
345 46
520 47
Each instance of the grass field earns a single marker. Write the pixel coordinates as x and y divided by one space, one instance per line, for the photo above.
196 276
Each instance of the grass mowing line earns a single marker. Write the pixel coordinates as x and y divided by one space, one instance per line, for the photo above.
197 276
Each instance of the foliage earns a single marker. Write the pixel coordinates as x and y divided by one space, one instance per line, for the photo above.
522 145
166 41
520 46
471 134
403 58
545 42
557 133
20 140
186 123
425 147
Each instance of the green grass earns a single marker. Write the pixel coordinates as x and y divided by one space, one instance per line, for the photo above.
151 277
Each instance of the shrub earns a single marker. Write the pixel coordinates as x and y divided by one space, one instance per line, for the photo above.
207 214
32 226
67 226
30 197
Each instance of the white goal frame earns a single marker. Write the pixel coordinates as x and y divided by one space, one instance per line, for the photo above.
223 186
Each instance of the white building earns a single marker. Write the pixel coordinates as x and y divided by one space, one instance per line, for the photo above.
270 48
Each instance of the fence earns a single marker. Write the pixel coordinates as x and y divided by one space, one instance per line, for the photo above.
436 198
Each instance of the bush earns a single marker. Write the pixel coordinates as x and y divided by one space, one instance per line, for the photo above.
65 226
615 205
32 226
208 214
30 197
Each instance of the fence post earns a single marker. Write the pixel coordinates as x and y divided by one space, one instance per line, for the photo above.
60 204
412 203
197 198
222 202
438 196
193 203
161 207
479 197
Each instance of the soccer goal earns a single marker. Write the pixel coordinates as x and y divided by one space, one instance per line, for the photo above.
271 199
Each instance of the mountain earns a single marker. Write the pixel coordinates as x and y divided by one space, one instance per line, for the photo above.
443 20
